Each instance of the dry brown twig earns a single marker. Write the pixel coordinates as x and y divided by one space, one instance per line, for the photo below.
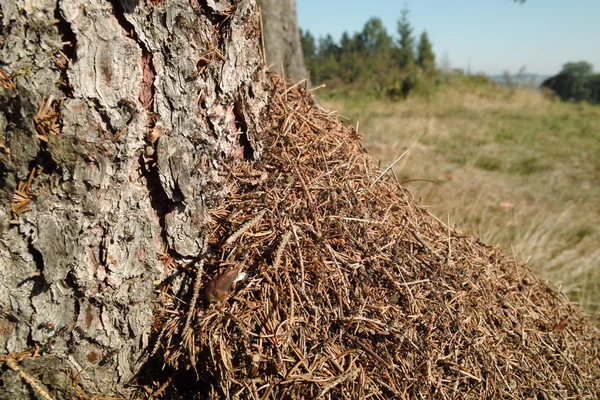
188 341
168 262
60 59
118 135
280 248
245 227
211 55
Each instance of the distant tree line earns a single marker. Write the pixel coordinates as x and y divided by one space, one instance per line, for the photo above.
576 82
372 59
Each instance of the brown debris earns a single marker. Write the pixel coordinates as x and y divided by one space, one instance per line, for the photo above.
118 135
6 80
46 119
356 291
21 199
211 55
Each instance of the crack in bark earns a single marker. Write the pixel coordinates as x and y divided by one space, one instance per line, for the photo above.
159 200
39 283
217 20
44 160
242 126
68 49
202 8
102 247
119 13
146 96
99 108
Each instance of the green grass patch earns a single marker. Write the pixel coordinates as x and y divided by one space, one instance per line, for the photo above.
488 163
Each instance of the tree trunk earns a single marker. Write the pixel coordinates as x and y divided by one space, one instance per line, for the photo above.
118 118
282 38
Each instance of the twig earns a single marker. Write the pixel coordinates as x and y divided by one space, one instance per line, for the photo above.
31 381
235 235
284 241
367 221
197 285
317 87
449 242
295 85
302 272
340 379
388 168
369 351
159 339
118 135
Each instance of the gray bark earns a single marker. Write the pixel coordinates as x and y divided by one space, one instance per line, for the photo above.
282 38
78 271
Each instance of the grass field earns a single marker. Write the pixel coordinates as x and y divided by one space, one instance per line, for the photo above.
514 167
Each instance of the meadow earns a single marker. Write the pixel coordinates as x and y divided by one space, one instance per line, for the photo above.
515 167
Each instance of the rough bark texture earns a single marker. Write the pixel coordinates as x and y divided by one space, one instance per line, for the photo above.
282 38
77 271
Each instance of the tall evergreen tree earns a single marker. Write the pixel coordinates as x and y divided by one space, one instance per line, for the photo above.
425 56
349 61
406 43
328 59
374 37
309 50
347 43
328 47
309 46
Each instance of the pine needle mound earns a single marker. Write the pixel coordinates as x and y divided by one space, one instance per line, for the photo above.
356 291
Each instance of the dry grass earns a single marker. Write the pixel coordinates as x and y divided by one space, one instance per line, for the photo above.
355 290
513 167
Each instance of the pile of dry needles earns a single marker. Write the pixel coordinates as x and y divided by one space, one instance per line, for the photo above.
356 291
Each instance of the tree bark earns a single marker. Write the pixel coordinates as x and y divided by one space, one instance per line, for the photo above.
122 115
282 38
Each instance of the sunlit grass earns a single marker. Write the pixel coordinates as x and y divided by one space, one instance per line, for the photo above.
513 167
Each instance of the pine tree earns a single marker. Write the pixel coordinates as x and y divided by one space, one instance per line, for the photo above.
309 46
374 37
425 56
406 44
309 50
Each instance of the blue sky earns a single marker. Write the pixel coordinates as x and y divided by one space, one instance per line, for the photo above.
489 35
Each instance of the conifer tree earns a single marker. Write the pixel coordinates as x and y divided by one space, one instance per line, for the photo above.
406 43
309 50
425 56
374 37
